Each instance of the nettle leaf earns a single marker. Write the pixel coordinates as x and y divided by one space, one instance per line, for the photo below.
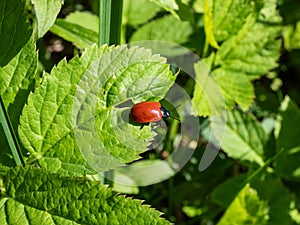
80 28
78 112
240 136
34 196
46 12
225 14
137 12
249 47
253 50
175 30
247 208
18 73
14 29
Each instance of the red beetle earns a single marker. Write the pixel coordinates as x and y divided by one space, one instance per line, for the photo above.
146 112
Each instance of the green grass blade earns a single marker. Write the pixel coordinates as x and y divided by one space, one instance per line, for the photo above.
9 133
105 20
116 22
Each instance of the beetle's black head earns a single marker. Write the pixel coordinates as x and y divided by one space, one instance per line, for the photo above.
165 113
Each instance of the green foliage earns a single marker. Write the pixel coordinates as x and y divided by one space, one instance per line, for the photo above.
239 69
52 199
176 31
247 208
14 29
84 93
46 12
80 28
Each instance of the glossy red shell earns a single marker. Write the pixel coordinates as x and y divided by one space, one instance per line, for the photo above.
146 112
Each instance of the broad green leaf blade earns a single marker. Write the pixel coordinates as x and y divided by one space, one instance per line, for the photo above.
244 138
137 12
238 54
14 29
287 166
145 172
225 14
18 73
81 36
247 208
75 115
33 196
46 12
84 19
208 97
175 30
236 88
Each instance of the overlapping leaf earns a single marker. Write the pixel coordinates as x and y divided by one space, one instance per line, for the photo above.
80 28
240 136
249 48
75 115
46 12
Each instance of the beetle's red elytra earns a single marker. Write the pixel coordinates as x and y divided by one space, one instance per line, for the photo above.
146 112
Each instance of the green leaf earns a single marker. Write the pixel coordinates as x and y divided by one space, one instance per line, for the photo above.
14 29
46 12
240 136
291 34
247 208
208 97
77 112
225 14
84 19
80 28
277 196
33 196
18 73
209 24
288 139
175 30
235 86
145 172
137 12
225 193
238 54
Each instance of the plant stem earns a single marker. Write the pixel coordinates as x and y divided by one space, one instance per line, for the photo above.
9 133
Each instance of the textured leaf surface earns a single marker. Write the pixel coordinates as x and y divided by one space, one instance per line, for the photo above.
278 197
244 138
208 96
75 114
46 12
33 196
247 208
249 49
14 29
80 28
175 30
18 73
